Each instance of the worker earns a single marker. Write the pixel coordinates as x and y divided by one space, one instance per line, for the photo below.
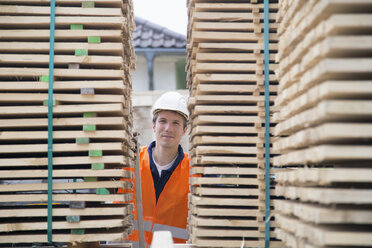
164 171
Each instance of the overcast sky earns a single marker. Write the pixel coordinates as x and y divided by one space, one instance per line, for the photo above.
171 14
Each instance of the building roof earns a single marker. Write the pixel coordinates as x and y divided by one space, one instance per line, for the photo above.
151 35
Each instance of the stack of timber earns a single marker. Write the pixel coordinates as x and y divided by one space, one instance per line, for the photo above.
226 83
92 124
324 124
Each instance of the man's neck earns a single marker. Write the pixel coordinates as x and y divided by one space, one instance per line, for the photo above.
164 156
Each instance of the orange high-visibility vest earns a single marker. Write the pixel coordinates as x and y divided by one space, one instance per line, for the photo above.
171 210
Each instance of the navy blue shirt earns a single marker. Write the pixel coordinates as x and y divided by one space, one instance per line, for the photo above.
161 180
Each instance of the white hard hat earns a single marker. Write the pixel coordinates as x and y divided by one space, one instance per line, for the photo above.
171 101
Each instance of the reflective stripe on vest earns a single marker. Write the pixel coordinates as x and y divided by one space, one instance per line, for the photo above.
180 233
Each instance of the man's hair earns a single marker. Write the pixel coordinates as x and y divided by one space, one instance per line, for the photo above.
156 115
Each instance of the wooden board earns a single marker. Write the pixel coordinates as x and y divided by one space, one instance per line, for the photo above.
29 187
326 111
327 90
223 140
60 35
64 135
36 238
108 3
326 195
203 36
116 109
74 74
325 154
67 147
57 225
323 236
38 212
106 48
62 98
25 60
209 222
226 170
66 122
231 150
226 201
45 10
223 212
329 133
225 191
226 119
62 161
225 160
114 173
111 86
65 197
320 214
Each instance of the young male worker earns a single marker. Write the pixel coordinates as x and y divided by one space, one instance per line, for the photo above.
165 171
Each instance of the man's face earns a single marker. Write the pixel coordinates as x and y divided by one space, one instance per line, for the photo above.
168 129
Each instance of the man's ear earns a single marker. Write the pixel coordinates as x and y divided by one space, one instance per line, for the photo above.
184 130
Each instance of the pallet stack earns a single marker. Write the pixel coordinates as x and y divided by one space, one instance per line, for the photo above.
92 125
226 82
325 123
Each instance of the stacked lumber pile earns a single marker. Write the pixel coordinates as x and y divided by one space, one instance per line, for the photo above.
226 82
92 125
325 123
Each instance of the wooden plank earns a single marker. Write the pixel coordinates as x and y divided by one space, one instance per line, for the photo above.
229 26
325 154
224 57
113 62
65 197
240 7
223 140
326 195
223 212
36 238
320 214
45 10
68 147
32 73
326 236
104 48
228 16
203 36
202 221
9 98
229 160
109 86
212 46
60 35
326 111
226 67
66 122
229 170
217 180
63 135
202 89
66 173
37 212
226 201
220 119
330 47
107 22
58 161
329 133
57 225
226 99
108 3
215 242
64 186
114 108
204 129
219 191
327 90
214 150
223 109
210 232
324 176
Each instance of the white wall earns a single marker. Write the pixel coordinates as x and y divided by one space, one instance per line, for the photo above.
164 73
